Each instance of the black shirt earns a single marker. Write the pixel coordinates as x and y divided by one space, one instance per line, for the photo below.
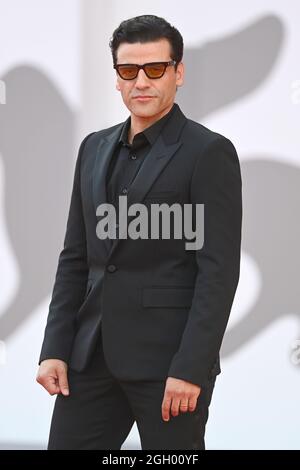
128 158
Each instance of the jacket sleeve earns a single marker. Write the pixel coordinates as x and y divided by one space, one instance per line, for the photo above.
216 183
70 281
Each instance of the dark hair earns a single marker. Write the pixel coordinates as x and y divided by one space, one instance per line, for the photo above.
147 28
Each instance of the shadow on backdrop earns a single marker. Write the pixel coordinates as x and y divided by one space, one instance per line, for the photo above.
36 139
223 71
271 233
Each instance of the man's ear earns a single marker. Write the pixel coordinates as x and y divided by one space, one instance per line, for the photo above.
118 86
180 74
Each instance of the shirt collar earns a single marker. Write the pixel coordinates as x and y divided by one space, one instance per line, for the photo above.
149 135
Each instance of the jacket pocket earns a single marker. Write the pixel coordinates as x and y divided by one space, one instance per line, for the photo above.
180 297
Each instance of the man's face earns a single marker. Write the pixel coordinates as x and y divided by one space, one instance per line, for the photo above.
158 94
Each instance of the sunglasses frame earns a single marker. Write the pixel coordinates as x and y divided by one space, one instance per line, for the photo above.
138 67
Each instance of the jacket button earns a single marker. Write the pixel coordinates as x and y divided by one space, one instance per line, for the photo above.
111 268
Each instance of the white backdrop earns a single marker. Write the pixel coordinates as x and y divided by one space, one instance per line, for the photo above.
243 80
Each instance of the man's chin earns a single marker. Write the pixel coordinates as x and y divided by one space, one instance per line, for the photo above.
144 110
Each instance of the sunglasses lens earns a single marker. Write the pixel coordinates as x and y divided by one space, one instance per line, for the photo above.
130 71
155 70
127 72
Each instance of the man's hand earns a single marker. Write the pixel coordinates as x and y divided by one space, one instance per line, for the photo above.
180 395
52 375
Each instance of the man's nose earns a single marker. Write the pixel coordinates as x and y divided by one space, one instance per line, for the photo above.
142 80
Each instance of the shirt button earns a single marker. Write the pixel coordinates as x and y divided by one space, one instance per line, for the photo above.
124 190
111 268
133 157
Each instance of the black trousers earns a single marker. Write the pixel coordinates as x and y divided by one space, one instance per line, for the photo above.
100 412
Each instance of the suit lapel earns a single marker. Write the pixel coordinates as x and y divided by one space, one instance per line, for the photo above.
160 154
104 154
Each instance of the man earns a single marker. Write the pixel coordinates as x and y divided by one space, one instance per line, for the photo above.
135 325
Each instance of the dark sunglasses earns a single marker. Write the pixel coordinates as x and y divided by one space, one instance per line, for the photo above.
151 69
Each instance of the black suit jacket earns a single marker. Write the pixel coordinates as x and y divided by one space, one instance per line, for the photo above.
162 309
